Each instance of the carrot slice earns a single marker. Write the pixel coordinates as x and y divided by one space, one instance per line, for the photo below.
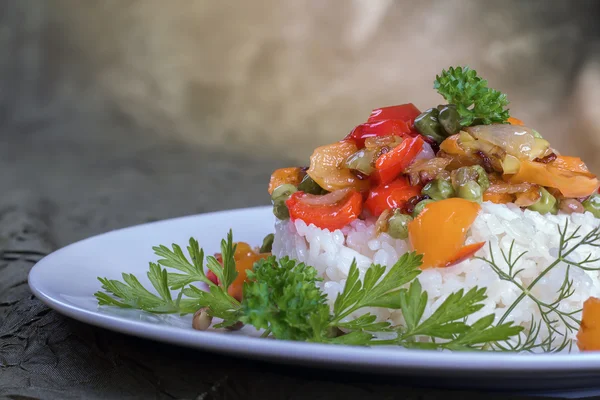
588 337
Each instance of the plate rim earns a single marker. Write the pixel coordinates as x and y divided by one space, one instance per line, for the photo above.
291 352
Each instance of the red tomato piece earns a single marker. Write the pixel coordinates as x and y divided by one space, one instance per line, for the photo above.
394 162
390 196
331 216
378 128
404 112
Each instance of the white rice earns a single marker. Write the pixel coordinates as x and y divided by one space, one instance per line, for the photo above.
331 253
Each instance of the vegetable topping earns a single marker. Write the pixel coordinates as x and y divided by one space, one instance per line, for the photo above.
439 232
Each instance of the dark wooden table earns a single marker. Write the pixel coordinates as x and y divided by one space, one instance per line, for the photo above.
57 192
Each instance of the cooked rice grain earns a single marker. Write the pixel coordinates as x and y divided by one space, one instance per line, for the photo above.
331 253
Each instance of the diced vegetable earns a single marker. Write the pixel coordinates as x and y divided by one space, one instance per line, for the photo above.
398 225
404 112
279 197
362 161
308 185
384 127
470 191
390 196
574 164
588 337
438 189
570 206
331 211
389 165
570 183
528 198
439 231
546 203
244 257
425 170
517 141
420 206
292 175
267 244
514 121
457 155
592 204
427 124
498 198
327 167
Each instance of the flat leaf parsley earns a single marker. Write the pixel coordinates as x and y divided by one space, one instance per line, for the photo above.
284 298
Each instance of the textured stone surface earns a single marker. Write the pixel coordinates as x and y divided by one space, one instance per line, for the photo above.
118 112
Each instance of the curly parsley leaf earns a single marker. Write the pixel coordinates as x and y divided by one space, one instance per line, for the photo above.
282 296
476 103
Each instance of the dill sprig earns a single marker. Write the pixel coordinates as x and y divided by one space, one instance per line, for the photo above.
551 315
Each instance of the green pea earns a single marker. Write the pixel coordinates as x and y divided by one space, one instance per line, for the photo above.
438 189
278 197
267 244
283 192
398 225
449 119
472 173
308 185
592 204
470 191
482 177
420 206
362 161
281 211
546 204
428 125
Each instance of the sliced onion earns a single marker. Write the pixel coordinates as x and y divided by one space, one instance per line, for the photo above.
530 197
425 170
505 187
426 152
327 199
516 140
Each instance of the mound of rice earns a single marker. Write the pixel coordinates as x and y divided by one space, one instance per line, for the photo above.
331 253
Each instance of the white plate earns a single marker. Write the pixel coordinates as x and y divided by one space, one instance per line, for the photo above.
67 279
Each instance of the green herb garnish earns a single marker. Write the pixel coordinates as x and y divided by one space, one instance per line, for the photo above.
475 102
283 298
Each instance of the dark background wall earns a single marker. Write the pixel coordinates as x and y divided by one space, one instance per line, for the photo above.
117 112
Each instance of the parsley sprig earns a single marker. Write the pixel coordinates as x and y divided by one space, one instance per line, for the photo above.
476 103
284 298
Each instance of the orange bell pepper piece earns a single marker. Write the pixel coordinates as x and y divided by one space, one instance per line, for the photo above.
514 121
569 183
439 232
588 337
292 175
498 198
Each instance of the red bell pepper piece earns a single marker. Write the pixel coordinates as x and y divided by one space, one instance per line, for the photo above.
325 216
404 112
378 128
389 165
390 196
